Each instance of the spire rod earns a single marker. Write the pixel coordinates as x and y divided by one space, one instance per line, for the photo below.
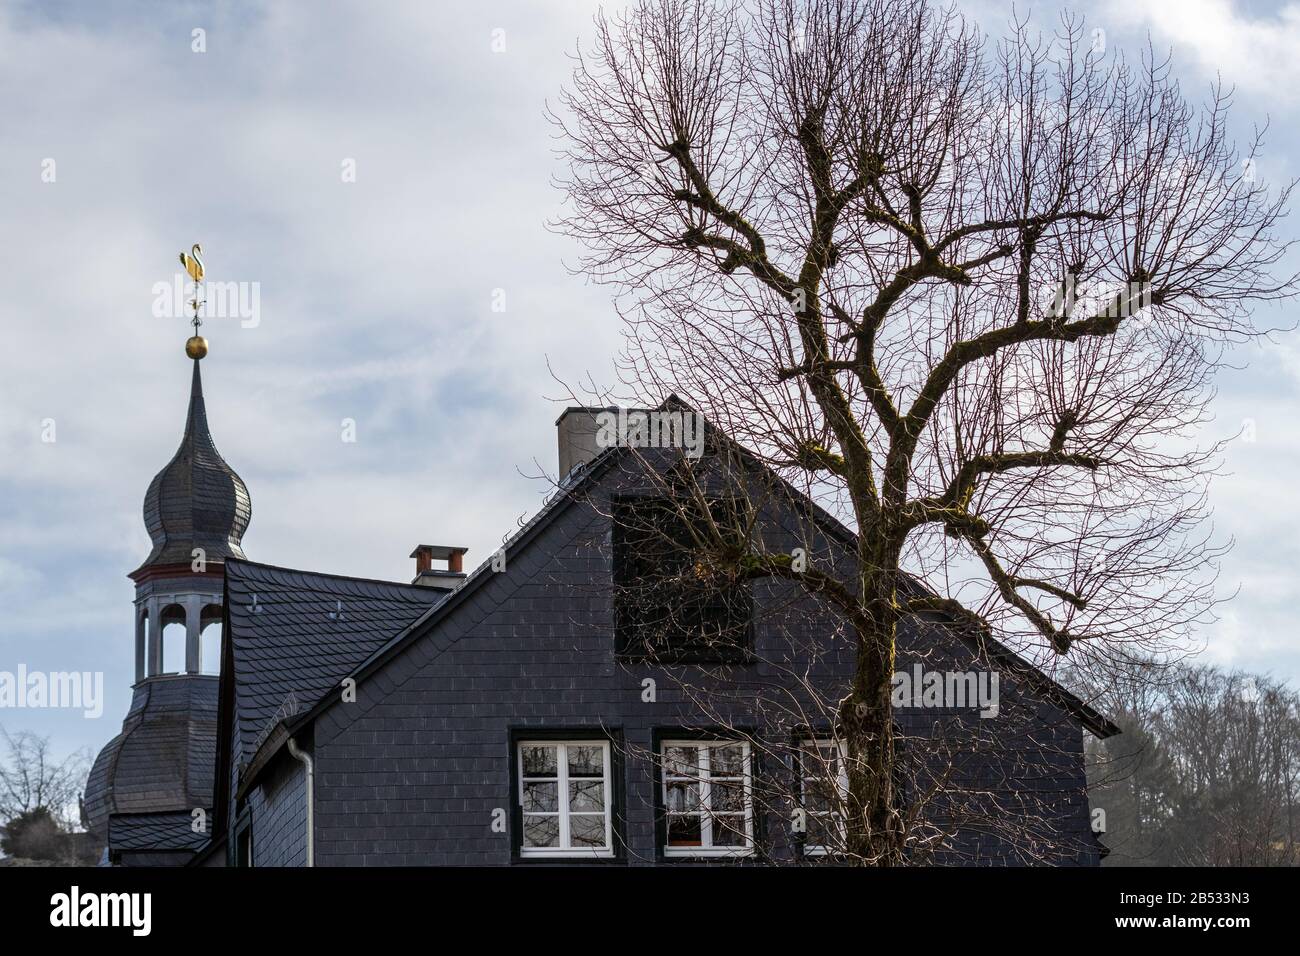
196 346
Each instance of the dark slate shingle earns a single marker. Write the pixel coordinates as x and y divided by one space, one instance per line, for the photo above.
197 500
164 758
150 831
295 635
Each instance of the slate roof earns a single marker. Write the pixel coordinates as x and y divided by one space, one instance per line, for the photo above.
296 634
197 500
148 831
164 759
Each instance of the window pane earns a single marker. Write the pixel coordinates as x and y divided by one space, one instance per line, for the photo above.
816 799
682 797
587 830
683 830
575 817
728 761
586 761
681 762
541 831
817 759
539 760
586 796
541 797
729 831
727 797
822 831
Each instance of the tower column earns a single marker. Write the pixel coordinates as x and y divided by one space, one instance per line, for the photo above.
155 639
140 631
193 612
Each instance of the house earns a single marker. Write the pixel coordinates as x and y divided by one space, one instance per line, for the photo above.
557 705
508 720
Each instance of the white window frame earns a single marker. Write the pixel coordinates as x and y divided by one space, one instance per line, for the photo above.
561 779
842 778
703 779
244 837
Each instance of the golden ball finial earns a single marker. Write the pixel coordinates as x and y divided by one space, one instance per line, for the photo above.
196 346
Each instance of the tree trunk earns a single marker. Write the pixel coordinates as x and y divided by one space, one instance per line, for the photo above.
874 828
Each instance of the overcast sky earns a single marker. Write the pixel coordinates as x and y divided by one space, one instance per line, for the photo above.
377 295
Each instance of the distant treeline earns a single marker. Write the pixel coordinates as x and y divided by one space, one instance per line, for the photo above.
1205 773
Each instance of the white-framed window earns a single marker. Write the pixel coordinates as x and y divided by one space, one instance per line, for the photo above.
823 790
565 797
707 798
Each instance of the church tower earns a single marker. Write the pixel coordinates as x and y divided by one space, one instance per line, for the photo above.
150 792
196 511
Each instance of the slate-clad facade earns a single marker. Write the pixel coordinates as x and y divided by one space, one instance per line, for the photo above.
422 766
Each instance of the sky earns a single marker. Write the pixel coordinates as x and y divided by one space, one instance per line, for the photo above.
382 174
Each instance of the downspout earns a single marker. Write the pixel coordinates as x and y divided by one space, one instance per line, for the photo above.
305 759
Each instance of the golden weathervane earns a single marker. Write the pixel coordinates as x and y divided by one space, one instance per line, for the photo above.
196 346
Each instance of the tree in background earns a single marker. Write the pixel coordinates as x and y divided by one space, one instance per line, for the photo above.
39 797
1205 773
968 295
36 835
1132 781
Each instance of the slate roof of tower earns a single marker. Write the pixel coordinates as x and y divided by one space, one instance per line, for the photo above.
148 831
164 758
197 500
296 634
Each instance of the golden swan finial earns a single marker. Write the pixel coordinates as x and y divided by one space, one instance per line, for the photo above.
193 262
196 346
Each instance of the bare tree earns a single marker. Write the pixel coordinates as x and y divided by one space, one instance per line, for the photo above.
969 295
32 779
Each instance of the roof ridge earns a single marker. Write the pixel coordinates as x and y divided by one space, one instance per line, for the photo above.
235 563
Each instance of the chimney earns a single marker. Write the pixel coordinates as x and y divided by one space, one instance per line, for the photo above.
426 575
576 429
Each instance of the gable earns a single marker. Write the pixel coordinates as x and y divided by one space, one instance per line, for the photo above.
529 558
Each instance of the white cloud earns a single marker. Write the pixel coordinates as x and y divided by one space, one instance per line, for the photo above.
1254 52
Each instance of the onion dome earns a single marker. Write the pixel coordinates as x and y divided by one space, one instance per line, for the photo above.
197 500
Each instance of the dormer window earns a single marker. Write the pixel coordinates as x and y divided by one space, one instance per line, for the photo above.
669 605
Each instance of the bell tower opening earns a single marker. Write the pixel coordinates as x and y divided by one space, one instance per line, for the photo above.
210 637
172 619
